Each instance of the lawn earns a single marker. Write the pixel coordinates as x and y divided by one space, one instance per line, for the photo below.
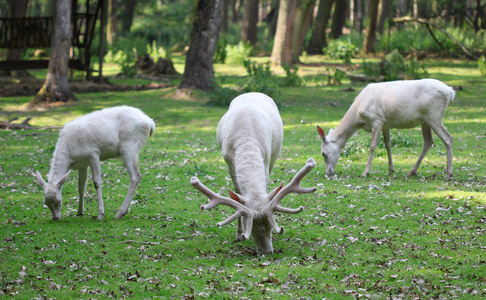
378 237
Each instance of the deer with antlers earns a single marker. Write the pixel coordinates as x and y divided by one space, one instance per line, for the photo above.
250 135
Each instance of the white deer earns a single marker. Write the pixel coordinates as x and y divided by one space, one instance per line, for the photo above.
396 104
250 135
87 140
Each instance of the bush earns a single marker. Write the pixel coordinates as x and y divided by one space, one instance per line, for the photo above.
394 67
482 65
292 79
341 49
420 39
261 79
220 54
239 53
157 52
222 96
124 53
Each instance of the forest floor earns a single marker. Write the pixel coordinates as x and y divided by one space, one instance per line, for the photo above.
29 86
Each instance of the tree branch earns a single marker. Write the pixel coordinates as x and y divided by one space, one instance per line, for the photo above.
430 23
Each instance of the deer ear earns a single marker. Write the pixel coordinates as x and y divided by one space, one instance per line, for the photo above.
61 181
233 195
276 191
321 132
40 179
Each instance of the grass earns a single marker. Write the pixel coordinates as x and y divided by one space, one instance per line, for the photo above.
377 237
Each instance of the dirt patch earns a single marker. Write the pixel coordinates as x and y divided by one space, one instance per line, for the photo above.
29 86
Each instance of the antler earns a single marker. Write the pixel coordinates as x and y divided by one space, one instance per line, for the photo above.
216 199
293 186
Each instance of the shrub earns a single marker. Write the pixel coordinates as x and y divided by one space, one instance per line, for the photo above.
335 76
394 67
482 65
222 96
420 39
124 53
261 79
157 52
292 79
240 52
220 54
341 49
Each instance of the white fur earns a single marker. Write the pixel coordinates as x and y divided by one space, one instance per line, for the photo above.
87 140
250 135
396 104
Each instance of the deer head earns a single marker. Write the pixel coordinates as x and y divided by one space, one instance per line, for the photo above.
258 219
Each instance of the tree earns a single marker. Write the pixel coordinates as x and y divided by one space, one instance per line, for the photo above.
356 14
384 12
302 22
370 37
282 47
56 87
318 38
18 9
127 13
112 32
199 73
249 22
338 18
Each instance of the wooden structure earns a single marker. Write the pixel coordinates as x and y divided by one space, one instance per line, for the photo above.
36 32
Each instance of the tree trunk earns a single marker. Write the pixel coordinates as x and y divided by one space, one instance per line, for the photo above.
199 73
338 18
272 19
318 38
128 10
224 16
18 8
112 32
370 37
56 87
302 22
282 47
384 12
250 21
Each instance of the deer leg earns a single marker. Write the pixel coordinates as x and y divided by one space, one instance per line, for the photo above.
386 137
446 137
82 178
375 135
427 134
131 162
95 166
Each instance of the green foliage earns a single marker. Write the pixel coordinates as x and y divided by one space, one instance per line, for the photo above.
168 23
395 67
220 54
335 76
239 53
125 51
291 79
262 79
157 52
222 96
420 39
341 49
482 65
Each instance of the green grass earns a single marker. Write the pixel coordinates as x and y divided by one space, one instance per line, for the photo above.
375 237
